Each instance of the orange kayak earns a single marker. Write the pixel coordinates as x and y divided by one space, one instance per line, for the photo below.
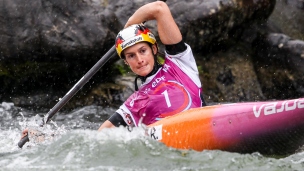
271 127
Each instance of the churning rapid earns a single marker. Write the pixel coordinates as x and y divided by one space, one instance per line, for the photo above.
72 143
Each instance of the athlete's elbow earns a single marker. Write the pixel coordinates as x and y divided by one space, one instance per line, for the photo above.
160 7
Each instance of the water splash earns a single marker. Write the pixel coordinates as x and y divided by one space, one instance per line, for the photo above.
79 148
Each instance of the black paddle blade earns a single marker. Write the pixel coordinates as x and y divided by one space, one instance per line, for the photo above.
23 141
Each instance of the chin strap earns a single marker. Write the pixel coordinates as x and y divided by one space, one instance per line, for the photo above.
143 78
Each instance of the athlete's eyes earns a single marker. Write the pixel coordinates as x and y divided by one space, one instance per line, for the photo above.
143 50
130 56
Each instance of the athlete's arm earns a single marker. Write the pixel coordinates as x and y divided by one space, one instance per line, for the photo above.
106 124
115 120
168 31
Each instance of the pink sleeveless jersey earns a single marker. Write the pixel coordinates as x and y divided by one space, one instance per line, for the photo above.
173 89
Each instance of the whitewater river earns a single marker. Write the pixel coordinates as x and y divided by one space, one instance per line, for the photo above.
72 143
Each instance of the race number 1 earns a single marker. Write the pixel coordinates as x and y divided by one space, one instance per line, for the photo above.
165 93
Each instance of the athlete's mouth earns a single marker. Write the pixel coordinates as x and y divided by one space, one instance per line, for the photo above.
142 66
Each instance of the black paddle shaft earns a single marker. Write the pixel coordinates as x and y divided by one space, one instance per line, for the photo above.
111 53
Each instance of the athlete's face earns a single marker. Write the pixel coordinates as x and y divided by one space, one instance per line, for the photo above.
140 58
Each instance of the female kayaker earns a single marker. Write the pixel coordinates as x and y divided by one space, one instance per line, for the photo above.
167 88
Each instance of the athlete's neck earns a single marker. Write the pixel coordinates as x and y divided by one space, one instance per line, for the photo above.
154 70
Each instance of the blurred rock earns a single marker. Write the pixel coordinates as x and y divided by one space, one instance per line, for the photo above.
47 46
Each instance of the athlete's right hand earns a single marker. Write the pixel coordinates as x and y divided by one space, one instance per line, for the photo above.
24 133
